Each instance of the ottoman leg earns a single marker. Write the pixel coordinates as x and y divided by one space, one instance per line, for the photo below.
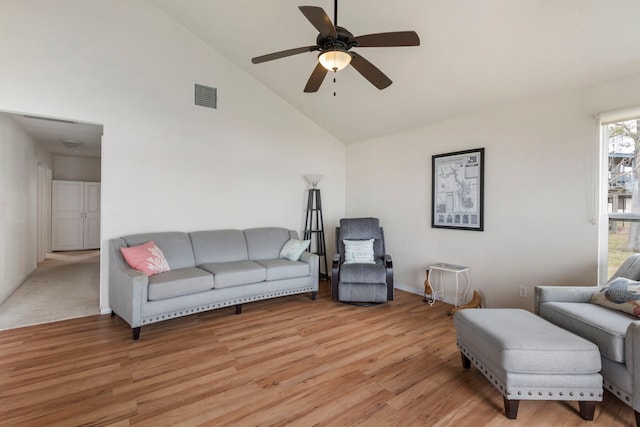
587 409
511 408
466 363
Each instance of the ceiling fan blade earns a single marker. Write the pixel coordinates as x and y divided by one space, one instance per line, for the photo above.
320 20
316 78
282 54
397 38
370 71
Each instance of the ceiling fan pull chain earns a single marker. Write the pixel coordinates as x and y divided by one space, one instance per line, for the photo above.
334 81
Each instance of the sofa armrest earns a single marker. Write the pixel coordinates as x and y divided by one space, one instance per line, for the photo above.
127 287
314 267
308 257
632 359
563 294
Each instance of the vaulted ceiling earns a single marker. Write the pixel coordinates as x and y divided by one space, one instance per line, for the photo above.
473 53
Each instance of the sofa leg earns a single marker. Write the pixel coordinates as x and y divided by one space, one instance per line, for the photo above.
314 295
587 409
136 333
511 408
466 363
637 418
238 308
113 313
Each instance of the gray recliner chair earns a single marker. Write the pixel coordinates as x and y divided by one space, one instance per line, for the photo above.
354 278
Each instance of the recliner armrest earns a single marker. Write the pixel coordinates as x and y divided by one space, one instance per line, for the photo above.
335 276
563 294
388 261
388 264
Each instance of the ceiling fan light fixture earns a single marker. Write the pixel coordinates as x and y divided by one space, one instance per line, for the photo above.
71 143
334 59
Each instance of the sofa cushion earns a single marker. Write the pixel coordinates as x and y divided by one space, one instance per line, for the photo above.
620 294
147 258
180 282
227 274
266 242
175 246
219 246
604 327
278 269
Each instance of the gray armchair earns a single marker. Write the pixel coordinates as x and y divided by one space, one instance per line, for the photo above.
361 282
616 333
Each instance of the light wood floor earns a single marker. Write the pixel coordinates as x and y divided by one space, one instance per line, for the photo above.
284 361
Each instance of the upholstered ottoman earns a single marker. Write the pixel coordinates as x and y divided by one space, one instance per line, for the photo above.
528 358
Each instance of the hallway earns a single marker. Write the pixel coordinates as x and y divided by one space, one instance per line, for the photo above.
65 285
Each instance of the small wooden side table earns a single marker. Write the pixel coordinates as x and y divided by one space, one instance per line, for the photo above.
438 286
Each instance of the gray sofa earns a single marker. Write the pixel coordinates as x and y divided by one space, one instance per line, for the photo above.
209 269
617 334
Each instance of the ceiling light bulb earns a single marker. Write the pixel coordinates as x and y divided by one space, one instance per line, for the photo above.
334 60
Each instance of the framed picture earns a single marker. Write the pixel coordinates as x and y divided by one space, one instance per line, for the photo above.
457 192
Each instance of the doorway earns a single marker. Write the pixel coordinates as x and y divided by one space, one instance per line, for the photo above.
58 149
65 285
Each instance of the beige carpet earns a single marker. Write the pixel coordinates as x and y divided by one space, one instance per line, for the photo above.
65 285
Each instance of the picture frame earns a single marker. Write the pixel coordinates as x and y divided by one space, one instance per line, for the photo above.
457 190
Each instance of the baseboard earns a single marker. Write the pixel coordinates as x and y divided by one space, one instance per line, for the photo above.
410 289
420 291
105 311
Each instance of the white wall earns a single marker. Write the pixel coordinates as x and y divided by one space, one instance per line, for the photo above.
539 188
19 157
166 165
72 168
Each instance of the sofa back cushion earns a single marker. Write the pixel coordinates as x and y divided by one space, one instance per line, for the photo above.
218 246
266 242
630 268
175 246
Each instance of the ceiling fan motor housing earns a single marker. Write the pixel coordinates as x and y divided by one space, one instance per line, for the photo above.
345 41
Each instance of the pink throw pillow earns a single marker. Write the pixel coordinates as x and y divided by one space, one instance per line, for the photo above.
147 258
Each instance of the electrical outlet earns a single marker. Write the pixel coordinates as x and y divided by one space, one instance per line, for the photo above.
523 291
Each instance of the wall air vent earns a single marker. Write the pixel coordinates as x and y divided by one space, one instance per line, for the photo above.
205 96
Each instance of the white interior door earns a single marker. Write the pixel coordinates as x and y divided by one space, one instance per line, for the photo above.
91 215
44 211
67 212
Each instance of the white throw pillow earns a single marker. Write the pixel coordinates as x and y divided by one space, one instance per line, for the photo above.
293 249
358 251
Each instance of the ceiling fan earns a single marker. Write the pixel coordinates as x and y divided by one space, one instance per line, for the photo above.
335 44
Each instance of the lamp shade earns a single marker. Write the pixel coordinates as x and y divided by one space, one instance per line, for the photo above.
313 179
335 59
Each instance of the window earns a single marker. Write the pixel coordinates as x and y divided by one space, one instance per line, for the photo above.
621 140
